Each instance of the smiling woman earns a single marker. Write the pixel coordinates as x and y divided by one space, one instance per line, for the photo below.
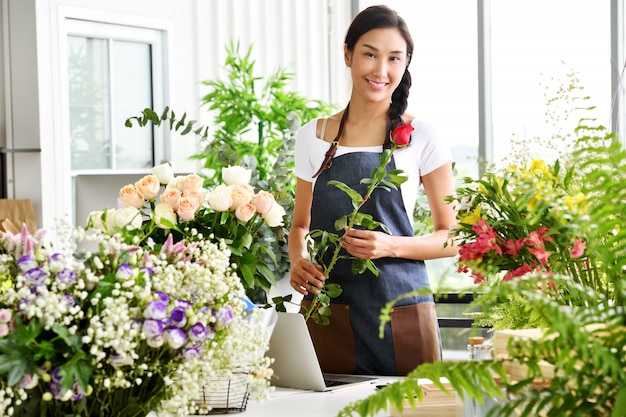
340 153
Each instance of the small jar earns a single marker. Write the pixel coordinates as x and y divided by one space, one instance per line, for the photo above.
479 350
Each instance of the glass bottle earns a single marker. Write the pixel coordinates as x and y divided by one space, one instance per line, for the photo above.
479 350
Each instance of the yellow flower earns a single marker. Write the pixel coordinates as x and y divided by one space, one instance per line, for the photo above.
539 166
471 217
575 202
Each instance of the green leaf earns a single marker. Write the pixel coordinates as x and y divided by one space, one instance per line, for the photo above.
620 403
333 290
77 369
247 274
341 223
15 361
73 341
353 194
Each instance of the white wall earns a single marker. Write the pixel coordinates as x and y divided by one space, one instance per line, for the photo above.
297 34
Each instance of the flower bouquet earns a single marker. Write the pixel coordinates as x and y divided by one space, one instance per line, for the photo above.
93 326
161 204
523 219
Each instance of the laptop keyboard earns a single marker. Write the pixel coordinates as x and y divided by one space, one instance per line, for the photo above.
333 382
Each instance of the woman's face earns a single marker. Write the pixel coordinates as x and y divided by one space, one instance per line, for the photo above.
377 63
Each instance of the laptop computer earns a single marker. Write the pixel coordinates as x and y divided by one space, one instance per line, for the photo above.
295 362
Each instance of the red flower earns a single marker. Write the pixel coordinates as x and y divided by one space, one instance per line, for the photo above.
487 238
512 247
541 254
517 272
401 135
578 249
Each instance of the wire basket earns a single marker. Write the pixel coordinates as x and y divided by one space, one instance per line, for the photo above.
225 395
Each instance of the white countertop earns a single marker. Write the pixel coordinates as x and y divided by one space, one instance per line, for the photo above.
297 403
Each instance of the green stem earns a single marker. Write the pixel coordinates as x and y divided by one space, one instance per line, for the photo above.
379 176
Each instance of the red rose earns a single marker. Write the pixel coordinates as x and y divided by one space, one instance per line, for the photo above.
401 135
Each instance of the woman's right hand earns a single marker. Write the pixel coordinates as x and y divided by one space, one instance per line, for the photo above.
305 276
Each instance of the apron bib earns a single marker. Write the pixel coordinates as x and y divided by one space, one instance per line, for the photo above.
351 343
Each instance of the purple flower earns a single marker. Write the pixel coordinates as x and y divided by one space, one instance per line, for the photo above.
198 332
178 317
66 276
224 316
156 310
27 262
162 296
56 262
183 303
152 328
191 353
124 271
69 300
55 388
147 270
175 337
35 276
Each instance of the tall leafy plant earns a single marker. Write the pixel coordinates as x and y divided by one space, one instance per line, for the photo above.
256 120
253 116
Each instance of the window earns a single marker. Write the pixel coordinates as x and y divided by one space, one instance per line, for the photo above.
113 73
535 44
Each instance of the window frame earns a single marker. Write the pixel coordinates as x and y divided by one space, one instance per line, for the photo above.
121 32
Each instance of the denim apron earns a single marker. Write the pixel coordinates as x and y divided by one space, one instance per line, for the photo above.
351 343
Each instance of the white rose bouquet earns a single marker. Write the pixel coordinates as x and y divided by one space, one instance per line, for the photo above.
162 204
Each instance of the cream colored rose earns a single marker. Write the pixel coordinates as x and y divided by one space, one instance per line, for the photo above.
148 187
164 172
245 212
171 197
191 183
186 208
128 217
220 198
197 196
236 175
109 220
95 218
176 183
164 211
263 201
274 217
129 197
241 194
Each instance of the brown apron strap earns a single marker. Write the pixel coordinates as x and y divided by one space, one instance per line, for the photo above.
332 149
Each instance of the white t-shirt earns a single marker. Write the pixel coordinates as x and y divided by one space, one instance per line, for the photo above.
424 154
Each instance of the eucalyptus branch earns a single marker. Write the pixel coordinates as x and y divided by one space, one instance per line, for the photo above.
182 126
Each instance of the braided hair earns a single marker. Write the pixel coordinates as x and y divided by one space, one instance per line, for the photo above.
381 17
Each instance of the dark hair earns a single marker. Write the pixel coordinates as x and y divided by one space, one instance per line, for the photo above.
382 17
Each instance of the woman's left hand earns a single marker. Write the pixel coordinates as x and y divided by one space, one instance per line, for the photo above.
367 244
